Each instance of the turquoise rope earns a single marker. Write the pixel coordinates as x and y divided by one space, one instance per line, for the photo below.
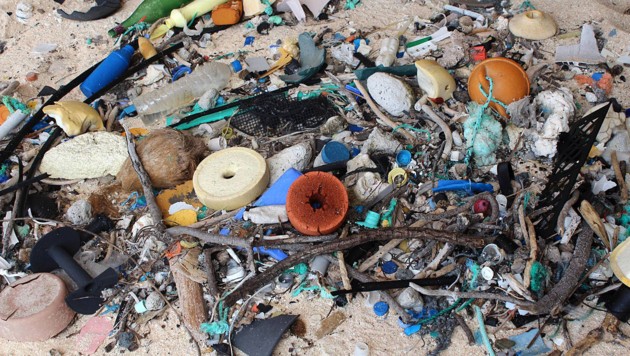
411 128
480 112
482 331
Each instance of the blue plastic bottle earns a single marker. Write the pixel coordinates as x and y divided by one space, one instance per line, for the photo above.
109 70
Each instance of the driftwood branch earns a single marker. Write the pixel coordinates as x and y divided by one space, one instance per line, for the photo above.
355 240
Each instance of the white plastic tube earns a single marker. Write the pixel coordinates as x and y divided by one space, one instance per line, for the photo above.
12 122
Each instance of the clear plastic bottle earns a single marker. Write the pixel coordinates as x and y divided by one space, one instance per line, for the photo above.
213 75
387 56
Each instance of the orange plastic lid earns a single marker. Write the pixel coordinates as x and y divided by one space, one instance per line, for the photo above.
510 82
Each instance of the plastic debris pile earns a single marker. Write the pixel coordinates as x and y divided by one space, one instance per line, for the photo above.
442 172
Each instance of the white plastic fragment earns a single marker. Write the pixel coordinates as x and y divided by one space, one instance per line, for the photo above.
602 185
23 12
361 349
297 157
429 45
584 52
477 16
271 214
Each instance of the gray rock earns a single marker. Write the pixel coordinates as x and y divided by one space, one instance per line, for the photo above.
80 212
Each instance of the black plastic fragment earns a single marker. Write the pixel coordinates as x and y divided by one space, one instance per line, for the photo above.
573 149
261 337
102 9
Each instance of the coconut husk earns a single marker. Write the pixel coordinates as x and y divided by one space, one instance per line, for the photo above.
170 158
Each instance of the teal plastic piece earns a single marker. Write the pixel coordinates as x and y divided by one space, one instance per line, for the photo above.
371 220
312 59
407 71
217 116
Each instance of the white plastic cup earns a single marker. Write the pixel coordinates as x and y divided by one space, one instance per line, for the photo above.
217 143
361 349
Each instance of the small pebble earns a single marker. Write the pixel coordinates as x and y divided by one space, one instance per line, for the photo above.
125 340
154 301
31 76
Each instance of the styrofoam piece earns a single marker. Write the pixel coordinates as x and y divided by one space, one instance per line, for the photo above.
584 52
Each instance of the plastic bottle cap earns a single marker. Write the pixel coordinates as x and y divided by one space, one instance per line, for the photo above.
389 267
236 66
487 273
371 220
381 308
398 177
335 151
403 158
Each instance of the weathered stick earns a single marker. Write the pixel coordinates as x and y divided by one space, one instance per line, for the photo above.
211 277
467 295
154 210
191 301
553 300
533 251
342 264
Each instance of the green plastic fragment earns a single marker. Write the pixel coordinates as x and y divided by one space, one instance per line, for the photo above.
538 277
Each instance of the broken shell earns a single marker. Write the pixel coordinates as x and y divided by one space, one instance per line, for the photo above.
533 25
435 80
510 82
74 117
146 48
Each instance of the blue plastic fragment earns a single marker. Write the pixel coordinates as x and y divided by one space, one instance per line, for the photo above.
249 40
412 329
180 71
466 185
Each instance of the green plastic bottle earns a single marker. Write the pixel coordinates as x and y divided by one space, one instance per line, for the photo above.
151 10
